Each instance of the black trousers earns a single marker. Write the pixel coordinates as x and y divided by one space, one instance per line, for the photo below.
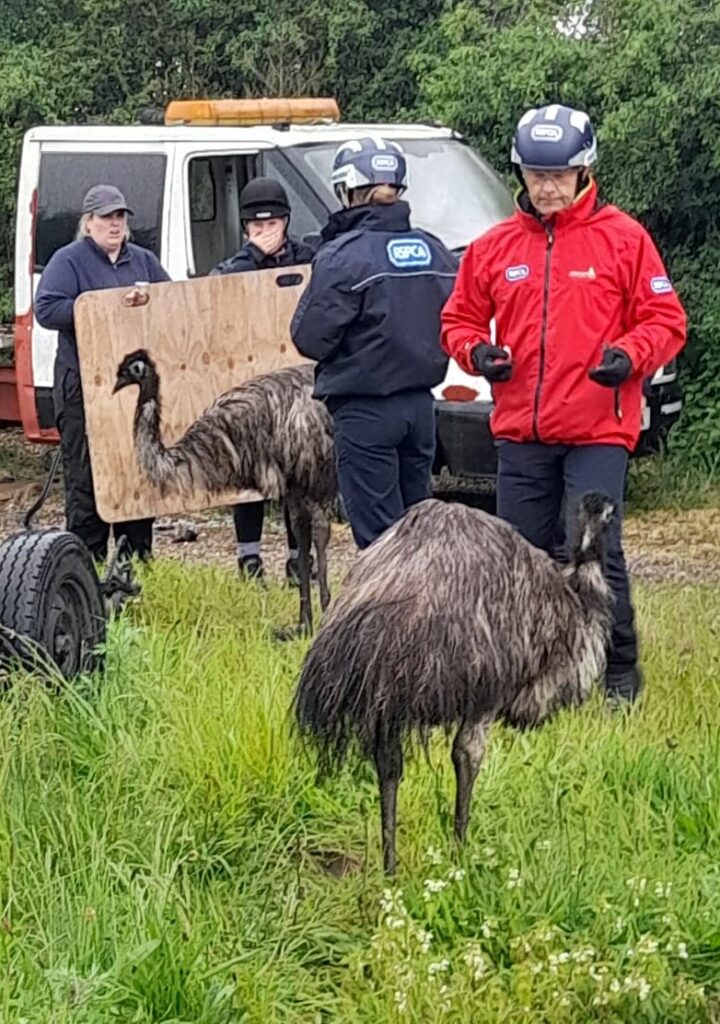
538 483
248 517
81 513
384 450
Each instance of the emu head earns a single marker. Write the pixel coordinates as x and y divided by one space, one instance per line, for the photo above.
137 368
595 513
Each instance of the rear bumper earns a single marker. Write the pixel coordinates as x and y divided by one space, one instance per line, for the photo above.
465 446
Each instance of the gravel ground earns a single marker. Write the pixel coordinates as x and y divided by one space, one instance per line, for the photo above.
662 547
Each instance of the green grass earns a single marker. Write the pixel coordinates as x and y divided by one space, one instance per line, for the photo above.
157 838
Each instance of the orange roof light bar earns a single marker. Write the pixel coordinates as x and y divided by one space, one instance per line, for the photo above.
303 110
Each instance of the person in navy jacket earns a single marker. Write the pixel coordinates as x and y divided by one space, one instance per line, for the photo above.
265 217
100 258
370 317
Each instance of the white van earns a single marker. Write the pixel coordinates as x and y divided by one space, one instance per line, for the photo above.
183 178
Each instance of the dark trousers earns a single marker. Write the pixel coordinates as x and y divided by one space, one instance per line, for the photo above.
249 517
537 483
81 515
384 449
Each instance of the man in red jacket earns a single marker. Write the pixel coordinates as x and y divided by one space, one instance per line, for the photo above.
583 312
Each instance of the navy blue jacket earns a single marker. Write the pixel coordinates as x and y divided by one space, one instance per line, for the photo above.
250 257
370 315
83 267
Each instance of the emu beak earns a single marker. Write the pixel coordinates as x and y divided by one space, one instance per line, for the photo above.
119 385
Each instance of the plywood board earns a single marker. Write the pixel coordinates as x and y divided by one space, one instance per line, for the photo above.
206 336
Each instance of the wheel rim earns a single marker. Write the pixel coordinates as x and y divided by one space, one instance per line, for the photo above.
68 627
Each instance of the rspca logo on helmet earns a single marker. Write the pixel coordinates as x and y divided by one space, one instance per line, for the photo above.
546 132
409 253
660 285
518 273
384 163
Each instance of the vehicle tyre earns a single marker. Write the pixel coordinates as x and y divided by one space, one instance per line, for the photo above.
51 609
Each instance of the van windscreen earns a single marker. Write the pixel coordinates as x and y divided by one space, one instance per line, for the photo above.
66 177
452 191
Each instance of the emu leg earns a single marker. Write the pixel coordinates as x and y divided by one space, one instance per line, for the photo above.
389 765
467 754
321 536
303 530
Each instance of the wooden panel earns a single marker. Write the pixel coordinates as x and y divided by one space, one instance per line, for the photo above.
206 335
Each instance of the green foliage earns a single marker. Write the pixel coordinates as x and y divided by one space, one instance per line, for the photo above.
162 837
649 75
648 72
83 61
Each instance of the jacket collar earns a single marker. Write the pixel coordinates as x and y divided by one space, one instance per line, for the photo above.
123 256
585 204
371 217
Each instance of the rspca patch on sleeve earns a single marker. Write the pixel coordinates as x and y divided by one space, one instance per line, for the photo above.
409 253
660 285
517 273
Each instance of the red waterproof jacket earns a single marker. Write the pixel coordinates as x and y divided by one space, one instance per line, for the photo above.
560 292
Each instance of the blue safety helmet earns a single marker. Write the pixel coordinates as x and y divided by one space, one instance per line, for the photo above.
554 138
367 161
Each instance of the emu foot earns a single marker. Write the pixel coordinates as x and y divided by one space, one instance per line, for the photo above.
284 634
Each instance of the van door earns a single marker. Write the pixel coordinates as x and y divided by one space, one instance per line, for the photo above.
210 194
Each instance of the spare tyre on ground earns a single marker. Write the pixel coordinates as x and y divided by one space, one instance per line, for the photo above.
52 613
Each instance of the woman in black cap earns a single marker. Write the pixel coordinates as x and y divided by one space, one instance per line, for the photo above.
265 215
101 257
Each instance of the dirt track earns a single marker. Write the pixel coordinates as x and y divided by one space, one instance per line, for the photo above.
679 547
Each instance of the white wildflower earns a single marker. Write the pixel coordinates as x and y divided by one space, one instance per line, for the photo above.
537 967
615 986
663 889
456 875
438 967
514 879
643 989
487 928
433 855
682 950
647 946
475 960
401 1001
432 886
544 844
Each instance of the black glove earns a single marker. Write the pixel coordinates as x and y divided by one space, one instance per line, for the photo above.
615 368
492 362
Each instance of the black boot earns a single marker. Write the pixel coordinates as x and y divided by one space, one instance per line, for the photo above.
251 567
623 688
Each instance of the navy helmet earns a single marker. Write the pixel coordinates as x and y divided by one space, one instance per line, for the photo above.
263 198
368 161
554 138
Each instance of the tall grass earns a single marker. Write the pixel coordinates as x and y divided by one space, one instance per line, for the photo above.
162 842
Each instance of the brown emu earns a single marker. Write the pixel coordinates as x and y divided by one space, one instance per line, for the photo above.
268 434
452 619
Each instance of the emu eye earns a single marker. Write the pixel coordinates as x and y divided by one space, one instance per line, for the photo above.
137 368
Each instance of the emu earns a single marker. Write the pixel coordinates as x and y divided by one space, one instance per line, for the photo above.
452 619
268 434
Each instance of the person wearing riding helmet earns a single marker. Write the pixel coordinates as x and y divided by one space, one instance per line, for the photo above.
370 317
584 311
265 217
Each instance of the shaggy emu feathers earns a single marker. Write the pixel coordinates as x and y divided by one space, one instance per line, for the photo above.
452 619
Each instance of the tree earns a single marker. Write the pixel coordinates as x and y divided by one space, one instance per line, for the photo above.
648 72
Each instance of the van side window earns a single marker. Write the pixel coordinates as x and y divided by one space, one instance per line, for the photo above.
309 215
65 178
214 184
202 191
